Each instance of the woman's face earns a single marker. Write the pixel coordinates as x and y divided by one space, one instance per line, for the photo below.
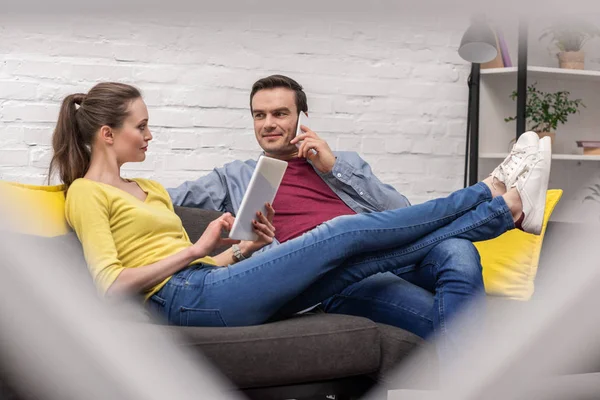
131 140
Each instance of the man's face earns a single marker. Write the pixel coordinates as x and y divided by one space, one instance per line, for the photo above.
275 117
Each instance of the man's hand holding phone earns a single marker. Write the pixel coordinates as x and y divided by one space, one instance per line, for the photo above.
312 147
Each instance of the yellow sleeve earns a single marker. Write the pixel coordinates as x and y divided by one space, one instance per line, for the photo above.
87 211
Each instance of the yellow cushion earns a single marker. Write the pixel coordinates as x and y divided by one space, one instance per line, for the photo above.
510 261
34 210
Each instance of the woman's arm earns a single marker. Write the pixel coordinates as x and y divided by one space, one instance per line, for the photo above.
136 280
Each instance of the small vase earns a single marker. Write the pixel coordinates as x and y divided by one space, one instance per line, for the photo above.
571 59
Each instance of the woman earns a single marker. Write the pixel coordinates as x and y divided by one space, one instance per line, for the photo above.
134 242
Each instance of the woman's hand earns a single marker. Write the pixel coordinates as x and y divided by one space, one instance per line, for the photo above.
211 238
263 227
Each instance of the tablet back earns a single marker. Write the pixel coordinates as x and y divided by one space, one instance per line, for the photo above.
262 189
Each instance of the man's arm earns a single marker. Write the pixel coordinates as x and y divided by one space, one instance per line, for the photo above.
350 170
350 177
208 192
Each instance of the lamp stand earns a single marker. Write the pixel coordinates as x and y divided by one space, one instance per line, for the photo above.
472 140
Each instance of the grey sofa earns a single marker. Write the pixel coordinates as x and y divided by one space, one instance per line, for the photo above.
306 357
315 355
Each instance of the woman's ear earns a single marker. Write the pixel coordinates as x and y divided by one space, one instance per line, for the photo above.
107 134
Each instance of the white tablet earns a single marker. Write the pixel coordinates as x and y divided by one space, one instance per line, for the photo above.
262 189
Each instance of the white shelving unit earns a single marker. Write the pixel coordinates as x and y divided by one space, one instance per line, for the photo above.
571 170
571 157
547 72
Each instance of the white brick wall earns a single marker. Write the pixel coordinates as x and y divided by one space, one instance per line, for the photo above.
392 89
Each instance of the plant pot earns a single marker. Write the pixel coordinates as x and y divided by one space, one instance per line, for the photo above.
552 135
571 59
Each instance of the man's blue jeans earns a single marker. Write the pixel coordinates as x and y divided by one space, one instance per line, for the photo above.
327 260
422 298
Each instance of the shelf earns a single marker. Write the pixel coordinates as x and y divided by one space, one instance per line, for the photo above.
573 157
546 72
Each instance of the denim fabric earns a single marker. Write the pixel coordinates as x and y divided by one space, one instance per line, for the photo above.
328 259
422 298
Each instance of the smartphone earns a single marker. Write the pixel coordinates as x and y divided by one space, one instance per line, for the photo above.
302 121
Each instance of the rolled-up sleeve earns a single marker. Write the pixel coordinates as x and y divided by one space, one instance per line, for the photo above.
357 174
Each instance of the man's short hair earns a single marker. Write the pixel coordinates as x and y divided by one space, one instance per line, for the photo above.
275 81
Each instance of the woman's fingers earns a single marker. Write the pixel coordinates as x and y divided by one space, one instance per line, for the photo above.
227 220
270 211
268 219
228 242
263 236
265 220
263 228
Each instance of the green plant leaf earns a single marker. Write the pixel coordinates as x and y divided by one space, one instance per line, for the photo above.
545 111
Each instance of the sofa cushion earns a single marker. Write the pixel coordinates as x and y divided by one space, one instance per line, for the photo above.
510 261
302 349
35 210
396 344
195 221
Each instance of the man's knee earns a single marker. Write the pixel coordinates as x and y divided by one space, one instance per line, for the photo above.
459 254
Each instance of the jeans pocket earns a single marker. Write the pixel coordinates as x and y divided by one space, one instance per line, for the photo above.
201 317
156 307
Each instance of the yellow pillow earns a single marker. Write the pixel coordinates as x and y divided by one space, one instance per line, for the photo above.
34 210
510 261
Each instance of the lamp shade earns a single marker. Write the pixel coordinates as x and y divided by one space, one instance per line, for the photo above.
478 44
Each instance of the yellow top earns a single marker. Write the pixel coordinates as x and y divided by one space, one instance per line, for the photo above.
118 230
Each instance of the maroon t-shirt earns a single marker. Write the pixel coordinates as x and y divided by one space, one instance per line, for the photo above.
304 201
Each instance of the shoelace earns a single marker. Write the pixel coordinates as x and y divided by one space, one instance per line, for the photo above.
503 171
523 174
529 167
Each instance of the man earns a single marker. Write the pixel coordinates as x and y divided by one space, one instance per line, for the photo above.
320 185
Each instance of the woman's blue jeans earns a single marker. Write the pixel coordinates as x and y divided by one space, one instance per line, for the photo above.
327 260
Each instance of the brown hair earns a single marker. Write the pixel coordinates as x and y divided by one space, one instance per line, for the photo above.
80 118
275 81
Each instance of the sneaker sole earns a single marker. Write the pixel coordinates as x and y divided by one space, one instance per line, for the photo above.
534 223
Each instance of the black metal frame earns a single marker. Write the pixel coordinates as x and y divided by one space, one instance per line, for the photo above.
522 78
472 141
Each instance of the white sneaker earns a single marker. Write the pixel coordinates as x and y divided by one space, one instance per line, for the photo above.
532 185
523 151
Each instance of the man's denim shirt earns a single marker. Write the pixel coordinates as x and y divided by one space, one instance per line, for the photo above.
351 179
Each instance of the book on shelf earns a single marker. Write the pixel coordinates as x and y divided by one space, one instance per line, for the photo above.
496 62
503 48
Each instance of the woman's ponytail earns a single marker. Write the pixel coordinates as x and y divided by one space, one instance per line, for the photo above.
71 152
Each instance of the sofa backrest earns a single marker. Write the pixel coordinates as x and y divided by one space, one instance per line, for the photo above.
195 221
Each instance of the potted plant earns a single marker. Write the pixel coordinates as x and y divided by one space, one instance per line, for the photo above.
569 37
544 111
